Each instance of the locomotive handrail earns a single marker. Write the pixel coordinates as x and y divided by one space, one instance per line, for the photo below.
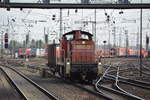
63 54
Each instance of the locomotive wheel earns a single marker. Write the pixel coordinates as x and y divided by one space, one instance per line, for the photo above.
61 71
54 72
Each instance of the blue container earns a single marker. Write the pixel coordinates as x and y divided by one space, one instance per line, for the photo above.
33 52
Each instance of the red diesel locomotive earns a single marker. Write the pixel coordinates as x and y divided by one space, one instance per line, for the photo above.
74 57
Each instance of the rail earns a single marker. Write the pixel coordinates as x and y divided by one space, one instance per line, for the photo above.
124 80
145 73
99 80
120 93
14 84
51 96
119 88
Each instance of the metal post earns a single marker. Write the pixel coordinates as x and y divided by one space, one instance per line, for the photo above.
26 49
27 40
104 52
137 43
45 37
95 28
13 44
114 32
120 38
104 49
141 43
109 45
60 34
64 28
2 44
127 42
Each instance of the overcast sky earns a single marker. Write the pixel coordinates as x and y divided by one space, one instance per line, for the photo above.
125 21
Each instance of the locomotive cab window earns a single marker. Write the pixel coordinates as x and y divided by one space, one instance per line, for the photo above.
84 37
70 37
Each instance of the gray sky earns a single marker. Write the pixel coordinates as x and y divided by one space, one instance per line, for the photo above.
122 22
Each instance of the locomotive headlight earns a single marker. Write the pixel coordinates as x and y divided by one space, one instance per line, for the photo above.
68 63
100 68
99 63
83 42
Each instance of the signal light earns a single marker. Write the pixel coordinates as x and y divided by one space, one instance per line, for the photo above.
76 10
53 17
104 41
6 40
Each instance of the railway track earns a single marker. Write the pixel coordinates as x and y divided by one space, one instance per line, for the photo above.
125 80
84 88
145 70
119 88
136 87
146 67
29 89
7 89
111 88
136 83
134 68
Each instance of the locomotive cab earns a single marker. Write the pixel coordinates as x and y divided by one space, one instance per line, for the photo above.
78 55
75 57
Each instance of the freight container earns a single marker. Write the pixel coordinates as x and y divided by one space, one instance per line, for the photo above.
24 52
148 52
40 52
53 55
33 52
121 51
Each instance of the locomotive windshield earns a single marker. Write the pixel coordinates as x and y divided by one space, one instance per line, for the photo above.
77 35
72 37
69 37
85 37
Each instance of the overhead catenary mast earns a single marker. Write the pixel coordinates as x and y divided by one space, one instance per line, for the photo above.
95 29
60 34
127 42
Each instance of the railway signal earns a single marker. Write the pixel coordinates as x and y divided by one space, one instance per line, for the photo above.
6 40
27 39
46 39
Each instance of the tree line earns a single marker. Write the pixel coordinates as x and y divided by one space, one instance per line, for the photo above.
32 44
